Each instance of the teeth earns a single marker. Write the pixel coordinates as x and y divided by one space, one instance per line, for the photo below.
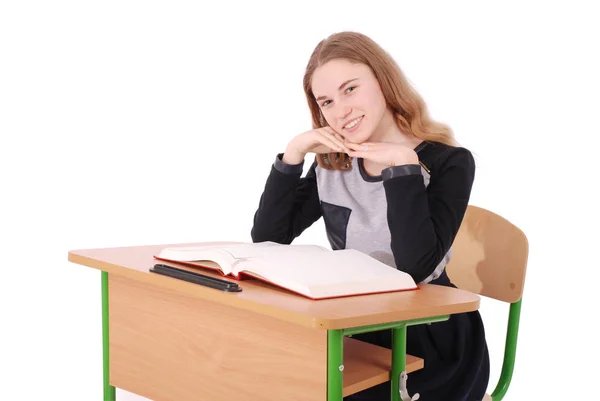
352 123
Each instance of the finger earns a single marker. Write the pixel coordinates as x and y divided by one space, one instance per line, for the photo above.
340 139
328 132
366 150
329 129
333 137
324 137
365 146
353 146
328 140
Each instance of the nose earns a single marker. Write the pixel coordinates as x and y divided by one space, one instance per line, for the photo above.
344 112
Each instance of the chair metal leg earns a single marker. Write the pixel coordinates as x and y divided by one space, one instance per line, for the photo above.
510 351
109 391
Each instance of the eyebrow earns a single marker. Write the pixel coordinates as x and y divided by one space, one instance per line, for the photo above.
340 88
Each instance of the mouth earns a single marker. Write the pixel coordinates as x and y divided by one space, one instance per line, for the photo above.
353 125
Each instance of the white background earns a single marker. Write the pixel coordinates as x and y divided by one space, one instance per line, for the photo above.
131 123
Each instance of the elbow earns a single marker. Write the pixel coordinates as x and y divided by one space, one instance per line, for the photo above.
413 269
255 236
259 235
262 235
261 230
419 268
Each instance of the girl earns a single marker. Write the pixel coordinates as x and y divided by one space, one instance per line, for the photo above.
390 182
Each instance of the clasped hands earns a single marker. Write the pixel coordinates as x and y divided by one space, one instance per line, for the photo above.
326 140
382 153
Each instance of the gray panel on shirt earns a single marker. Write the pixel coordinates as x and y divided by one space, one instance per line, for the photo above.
355 213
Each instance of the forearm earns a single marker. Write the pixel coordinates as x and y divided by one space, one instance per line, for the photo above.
423 221
413 238
288 204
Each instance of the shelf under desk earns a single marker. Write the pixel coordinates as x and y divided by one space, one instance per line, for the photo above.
367 365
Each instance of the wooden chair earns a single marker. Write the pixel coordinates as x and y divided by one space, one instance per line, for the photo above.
490 259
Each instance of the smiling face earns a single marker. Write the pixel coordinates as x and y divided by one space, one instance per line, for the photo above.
350 98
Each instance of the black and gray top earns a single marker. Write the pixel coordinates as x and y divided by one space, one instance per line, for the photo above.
407 218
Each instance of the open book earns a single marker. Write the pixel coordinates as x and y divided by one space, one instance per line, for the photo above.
309 270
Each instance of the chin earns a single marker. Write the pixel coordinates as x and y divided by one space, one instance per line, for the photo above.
359 136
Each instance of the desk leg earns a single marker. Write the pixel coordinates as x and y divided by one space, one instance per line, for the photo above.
335 365
398 359
109 391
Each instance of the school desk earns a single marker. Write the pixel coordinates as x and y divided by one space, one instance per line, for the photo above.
169 339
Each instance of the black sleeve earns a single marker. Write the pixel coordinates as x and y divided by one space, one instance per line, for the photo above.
424 221
288 205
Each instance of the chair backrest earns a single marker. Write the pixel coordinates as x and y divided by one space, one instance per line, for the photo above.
489 256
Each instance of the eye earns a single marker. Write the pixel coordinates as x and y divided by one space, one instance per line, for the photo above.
325 103
350 89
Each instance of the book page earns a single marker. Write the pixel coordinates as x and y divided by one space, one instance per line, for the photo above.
335 272
228 255
267 248
204 255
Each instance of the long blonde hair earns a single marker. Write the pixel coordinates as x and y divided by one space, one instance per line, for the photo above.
408 108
